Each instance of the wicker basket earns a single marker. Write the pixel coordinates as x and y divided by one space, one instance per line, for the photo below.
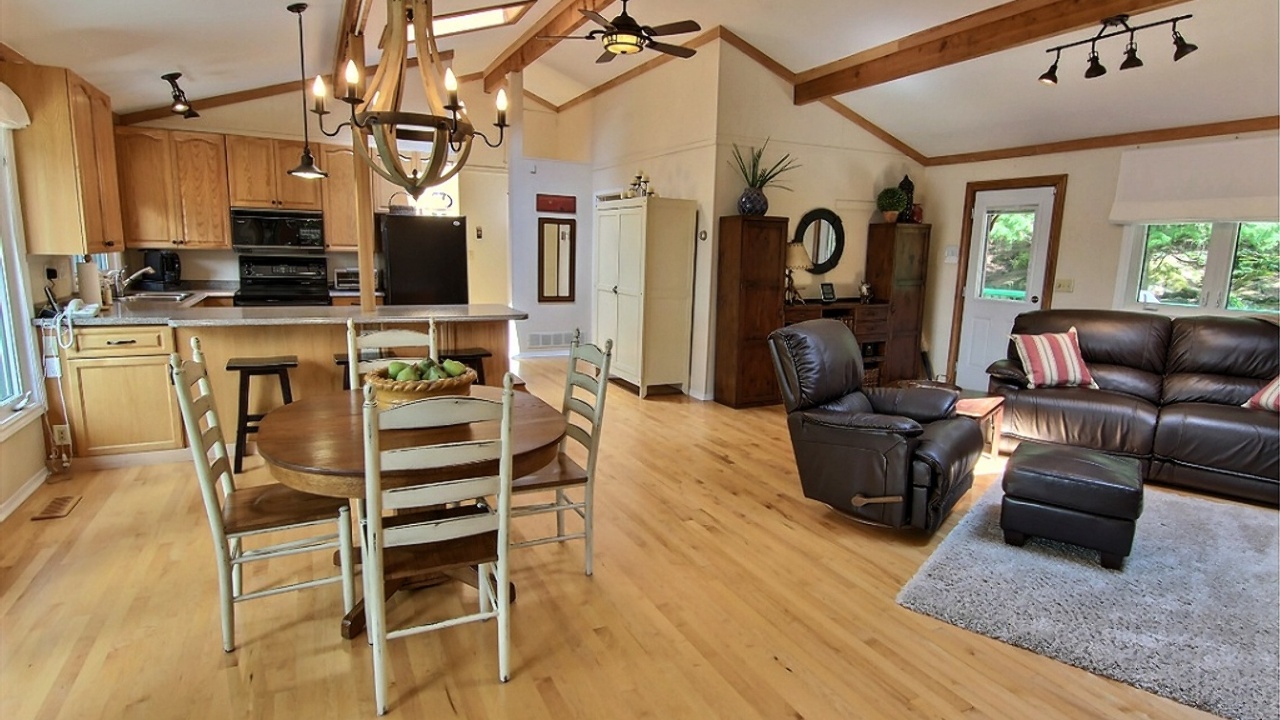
394 392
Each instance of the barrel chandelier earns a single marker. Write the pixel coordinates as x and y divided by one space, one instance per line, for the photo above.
375 112
1181 48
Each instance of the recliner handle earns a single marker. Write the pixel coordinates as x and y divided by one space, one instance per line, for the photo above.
859 500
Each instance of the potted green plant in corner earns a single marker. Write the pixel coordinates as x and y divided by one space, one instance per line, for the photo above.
758 177
890 202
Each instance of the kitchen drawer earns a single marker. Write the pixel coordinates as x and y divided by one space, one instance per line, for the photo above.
117 341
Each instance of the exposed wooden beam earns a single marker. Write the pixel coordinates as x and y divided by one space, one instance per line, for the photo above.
1187 132
1006 26
240 96
8 54
537 100
563 19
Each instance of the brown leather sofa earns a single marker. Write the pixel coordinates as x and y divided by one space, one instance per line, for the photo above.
1169 394
898 457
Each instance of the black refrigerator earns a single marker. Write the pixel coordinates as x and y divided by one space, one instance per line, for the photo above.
424 259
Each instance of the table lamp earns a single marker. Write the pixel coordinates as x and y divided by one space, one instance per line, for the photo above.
797 259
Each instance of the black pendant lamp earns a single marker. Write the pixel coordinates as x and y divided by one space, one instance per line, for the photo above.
1181 48
1131 59
1050 76
1096 68
307 167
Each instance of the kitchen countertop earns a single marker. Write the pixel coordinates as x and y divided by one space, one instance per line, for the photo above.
183 314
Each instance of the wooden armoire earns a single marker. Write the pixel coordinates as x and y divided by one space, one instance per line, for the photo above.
749 292
897 268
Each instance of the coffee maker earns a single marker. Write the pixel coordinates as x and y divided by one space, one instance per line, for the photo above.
167 270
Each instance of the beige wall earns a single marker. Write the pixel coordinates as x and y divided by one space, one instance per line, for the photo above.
1090 249
21 459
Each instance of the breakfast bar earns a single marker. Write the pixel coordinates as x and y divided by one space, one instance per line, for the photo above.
118 360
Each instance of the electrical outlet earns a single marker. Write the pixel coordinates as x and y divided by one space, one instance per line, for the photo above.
52 367
61 434
1065 285
50 346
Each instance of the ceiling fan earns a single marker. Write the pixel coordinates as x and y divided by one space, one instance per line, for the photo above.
624 36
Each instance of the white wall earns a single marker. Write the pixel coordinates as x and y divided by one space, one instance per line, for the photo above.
1090 249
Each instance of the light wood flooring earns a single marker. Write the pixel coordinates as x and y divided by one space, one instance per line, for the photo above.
719 592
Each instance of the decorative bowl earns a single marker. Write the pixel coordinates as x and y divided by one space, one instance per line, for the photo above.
394 392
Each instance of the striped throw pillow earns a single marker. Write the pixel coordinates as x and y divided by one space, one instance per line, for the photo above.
1053 360
1268 398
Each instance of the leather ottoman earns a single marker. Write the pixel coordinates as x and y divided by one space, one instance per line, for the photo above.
1074 495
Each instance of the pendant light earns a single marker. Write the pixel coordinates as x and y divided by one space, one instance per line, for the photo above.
307 167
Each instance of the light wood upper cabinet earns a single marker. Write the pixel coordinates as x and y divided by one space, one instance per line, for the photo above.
65 164
257 173
174 188
200 169
145 159
339 190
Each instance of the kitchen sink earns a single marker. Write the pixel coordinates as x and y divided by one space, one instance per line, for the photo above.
155 296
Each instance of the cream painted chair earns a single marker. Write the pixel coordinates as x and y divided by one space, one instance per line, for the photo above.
379 341
437 522
236 514
584 394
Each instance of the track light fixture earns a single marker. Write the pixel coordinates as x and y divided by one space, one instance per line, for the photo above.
181 106
1182 48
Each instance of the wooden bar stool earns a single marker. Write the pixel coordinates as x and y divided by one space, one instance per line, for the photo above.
248 367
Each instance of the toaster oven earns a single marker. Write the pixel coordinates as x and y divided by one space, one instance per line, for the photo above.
349 278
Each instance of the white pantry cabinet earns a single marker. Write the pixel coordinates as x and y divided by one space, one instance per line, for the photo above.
644 288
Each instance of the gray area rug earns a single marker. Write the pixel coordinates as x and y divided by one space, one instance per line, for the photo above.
1193 617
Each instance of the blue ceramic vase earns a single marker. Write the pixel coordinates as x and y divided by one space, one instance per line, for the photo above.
753 202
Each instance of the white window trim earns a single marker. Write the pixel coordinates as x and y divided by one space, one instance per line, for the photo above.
1217 269
13 245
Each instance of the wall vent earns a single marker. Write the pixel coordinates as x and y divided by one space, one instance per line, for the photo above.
550 339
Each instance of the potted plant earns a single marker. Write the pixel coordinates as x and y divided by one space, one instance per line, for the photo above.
890 202
758 177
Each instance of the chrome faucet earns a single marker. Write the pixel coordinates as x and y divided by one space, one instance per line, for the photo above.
123 284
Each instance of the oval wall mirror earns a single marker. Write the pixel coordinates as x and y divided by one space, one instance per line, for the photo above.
822 234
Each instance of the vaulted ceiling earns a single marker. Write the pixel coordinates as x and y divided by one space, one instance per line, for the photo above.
987 99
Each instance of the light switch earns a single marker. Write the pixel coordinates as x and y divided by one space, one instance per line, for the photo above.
951 254
1065 285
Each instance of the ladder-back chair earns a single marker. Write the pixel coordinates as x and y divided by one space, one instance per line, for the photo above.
584 394
437 522
239 513
378 341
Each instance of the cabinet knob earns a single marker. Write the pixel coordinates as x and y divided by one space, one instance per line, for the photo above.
615 289
110 243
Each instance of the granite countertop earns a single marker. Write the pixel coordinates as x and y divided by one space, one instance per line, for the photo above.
184 315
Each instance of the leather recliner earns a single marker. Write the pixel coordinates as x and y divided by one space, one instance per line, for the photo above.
898 457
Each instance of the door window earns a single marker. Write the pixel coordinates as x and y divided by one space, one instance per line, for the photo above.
1006 254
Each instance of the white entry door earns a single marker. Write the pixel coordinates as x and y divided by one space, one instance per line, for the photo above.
1007 259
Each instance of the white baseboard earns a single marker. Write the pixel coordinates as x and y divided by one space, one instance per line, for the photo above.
24 492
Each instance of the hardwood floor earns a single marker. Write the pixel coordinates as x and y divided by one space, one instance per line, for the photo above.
719 592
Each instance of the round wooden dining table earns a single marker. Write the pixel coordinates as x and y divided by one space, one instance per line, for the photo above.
316 444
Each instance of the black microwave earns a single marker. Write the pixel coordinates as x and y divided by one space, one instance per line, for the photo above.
276 231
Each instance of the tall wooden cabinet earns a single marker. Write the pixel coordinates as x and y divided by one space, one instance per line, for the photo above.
749 293
897 268
339 193
175 188
66 163
644 288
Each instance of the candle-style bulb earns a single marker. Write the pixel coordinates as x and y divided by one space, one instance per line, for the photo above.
352 76
319 91
451 87
501 104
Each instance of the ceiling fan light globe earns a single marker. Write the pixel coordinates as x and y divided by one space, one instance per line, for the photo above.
623 43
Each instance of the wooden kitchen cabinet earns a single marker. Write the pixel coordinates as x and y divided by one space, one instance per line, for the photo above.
258 175
339 194
66 163
174 186
119 398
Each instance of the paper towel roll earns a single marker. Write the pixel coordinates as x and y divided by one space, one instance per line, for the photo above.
90 283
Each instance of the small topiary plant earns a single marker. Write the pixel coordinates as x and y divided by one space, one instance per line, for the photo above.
891 199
